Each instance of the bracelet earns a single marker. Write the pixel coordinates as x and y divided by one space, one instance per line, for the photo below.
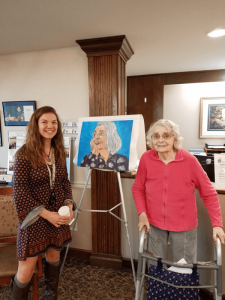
71 201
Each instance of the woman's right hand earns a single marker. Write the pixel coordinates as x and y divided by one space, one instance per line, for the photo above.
94 147
54 218
143 221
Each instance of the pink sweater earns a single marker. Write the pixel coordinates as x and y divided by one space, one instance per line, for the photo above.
166 192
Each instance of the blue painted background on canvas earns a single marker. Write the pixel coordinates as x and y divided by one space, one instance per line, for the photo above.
124 129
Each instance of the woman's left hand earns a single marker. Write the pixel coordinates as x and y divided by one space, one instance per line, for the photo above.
71 211
218 232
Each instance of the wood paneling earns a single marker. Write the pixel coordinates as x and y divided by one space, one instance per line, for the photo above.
6 190
151 88
194 77
106 71
107 99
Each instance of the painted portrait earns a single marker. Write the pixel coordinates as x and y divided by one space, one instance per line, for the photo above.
105 145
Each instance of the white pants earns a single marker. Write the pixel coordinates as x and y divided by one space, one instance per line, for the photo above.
183 244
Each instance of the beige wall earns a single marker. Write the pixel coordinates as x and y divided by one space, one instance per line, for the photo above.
182 105
60 78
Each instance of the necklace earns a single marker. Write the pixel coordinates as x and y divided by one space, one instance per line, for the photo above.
48 155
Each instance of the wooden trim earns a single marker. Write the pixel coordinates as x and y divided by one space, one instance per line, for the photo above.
194 77
79 253
112 45
127 263
220 192
10 239
106 260
86 255
189 77
6 190
204 294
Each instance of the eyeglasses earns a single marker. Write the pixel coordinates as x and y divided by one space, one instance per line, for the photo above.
95 134
165 136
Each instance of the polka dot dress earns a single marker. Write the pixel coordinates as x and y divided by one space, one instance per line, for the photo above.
31 188
116 162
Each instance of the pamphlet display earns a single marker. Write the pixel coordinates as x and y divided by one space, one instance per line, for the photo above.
219 164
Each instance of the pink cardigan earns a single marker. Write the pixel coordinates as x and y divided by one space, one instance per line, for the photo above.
166 192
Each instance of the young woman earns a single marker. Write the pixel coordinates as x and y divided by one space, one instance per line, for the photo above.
40 188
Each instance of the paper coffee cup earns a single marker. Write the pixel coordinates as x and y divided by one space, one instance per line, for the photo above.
64 211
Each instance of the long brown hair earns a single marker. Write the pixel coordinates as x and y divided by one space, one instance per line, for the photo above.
34 147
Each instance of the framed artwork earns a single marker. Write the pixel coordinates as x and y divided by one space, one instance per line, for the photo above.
18 113
212 118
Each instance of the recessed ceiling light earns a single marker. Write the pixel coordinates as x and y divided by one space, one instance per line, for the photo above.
217 32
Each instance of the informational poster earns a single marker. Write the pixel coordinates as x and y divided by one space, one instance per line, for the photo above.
16 141
67 145
28 111
219 165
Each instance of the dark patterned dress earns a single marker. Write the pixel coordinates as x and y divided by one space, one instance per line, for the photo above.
116 162
31 188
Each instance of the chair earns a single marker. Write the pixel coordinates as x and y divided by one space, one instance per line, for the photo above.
8 231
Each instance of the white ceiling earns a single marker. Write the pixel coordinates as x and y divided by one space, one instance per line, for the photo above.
166 35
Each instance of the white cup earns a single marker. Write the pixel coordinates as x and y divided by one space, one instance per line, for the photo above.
64 211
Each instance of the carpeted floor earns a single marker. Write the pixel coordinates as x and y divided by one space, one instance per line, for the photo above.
81 281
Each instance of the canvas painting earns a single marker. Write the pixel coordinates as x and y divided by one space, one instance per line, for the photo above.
105 143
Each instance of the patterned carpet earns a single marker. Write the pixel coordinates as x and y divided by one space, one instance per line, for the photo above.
81 281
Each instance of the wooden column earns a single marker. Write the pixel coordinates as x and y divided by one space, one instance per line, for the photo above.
107 59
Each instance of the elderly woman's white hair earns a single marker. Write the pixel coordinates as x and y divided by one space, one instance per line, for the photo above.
172 129
113 140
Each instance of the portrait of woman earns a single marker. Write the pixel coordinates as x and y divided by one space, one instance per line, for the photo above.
104 145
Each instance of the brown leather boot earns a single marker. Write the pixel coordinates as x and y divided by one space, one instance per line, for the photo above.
51 280
18 293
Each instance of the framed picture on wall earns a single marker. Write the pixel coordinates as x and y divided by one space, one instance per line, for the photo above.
212 118
18 113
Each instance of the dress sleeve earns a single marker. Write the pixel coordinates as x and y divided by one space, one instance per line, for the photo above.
66 185
22 197
138 188
208 194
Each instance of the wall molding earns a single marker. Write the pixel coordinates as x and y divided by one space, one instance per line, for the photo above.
189 77
80 185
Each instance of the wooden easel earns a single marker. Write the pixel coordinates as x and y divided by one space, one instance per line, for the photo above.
104 211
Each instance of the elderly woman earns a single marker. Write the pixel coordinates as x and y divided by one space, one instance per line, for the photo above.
105 143
164 194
